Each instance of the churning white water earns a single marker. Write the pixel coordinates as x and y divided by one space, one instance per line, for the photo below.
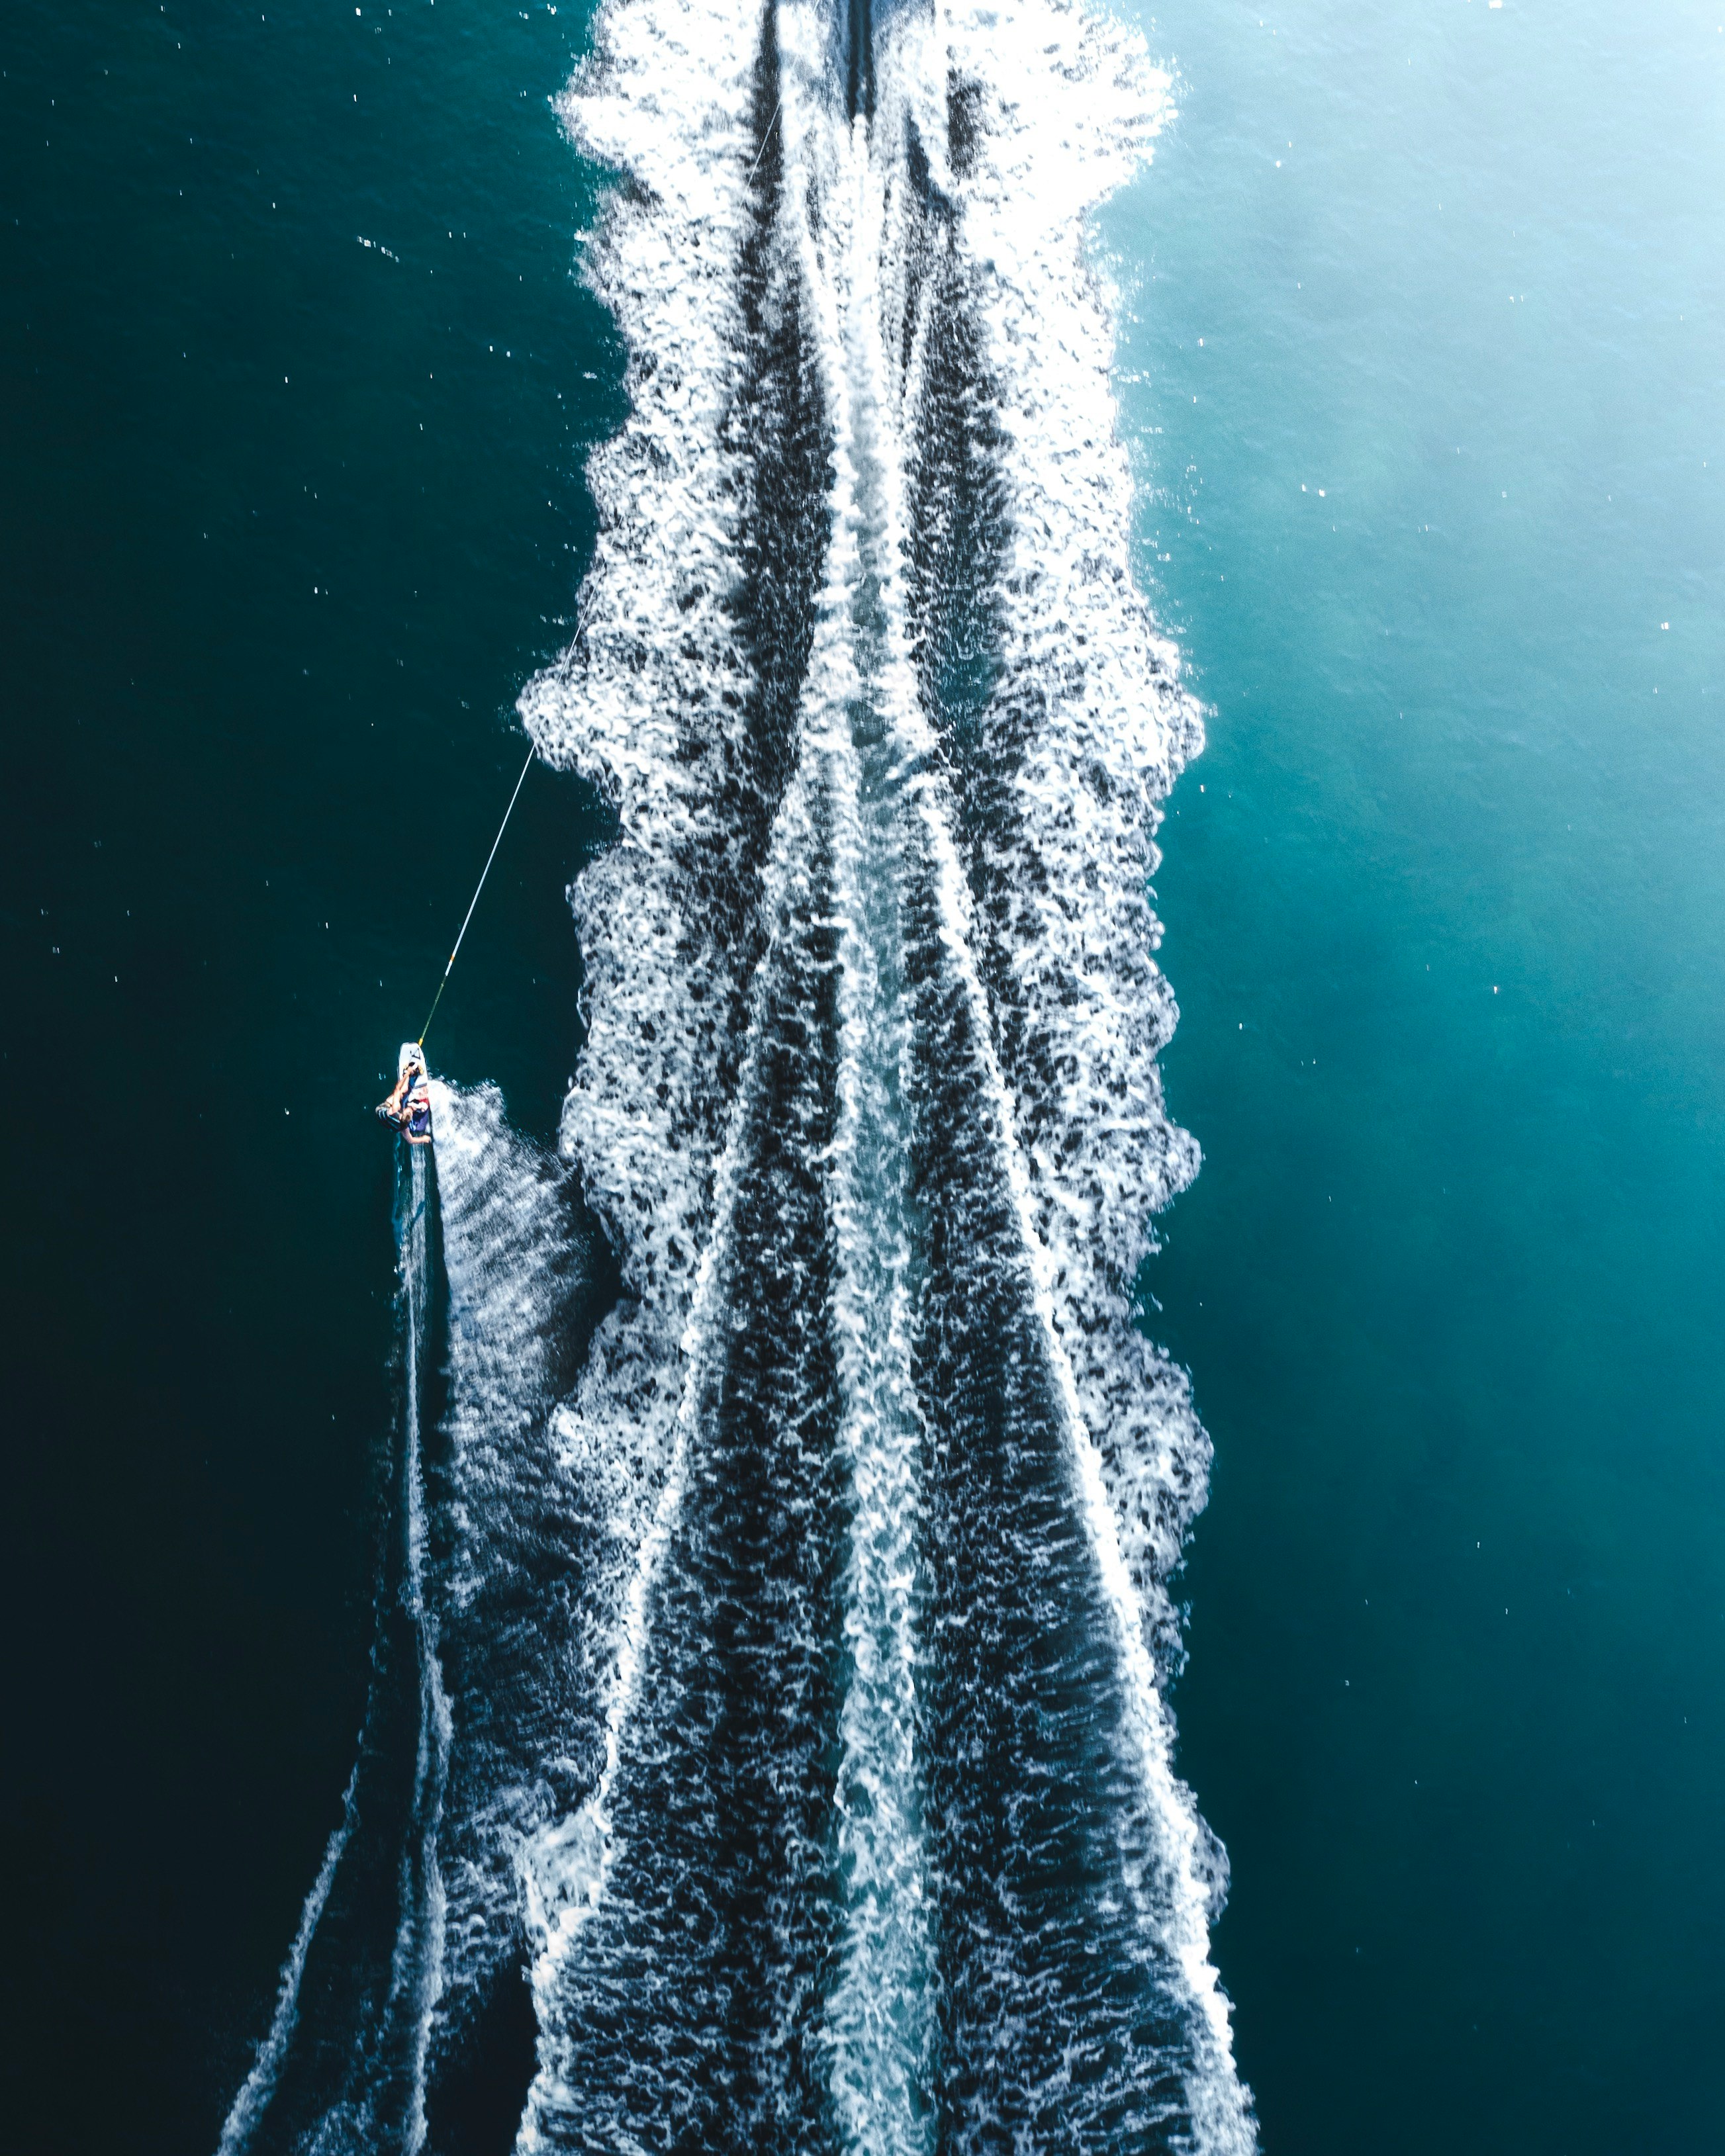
821 1767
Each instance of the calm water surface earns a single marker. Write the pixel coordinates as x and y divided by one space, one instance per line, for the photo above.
1431 314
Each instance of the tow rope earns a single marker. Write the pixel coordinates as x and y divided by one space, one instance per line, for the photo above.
764 140
478 887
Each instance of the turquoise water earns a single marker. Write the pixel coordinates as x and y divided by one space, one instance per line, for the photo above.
286 521
1447 922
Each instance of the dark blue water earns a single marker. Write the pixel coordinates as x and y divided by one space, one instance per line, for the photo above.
286 521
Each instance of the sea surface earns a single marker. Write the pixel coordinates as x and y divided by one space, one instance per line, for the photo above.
712 1608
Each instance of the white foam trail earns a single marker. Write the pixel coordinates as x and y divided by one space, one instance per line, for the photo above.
416 1972
1052 954
511 1592
1082 141
649 702
256 2091
1072 104
1177 1904
566 1870
881 2016
645 703
369 2105
1067 105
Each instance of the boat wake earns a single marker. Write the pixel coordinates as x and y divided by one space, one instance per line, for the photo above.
412 1936
793 1652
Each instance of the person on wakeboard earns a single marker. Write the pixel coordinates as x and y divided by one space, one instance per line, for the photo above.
409 1106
